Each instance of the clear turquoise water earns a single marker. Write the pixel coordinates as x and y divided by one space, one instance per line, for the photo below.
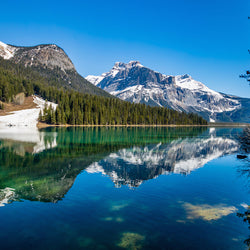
123 188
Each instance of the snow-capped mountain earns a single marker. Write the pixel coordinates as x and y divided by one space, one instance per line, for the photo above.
135 83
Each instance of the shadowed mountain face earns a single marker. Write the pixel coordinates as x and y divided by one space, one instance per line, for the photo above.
135 83
50 62
44 166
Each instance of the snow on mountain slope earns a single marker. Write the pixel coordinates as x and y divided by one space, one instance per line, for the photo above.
187 82
94 79
135 83
113 72
7 51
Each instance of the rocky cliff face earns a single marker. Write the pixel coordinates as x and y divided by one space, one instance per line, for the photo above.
135 83
47 55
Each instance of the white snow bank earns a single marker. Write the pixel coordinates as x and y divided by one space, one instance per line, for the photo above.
26 117
20 126
22 118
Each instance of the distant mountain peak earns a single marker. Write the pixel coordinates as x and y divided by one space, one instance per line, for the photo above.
118 65
135 64
131 64
136 83
185 76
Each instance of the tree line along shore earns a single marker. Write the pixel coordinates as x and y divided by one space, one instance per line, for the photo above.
75 108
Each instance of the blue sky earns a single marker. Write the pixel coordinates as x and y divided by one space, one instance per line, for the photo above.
206 39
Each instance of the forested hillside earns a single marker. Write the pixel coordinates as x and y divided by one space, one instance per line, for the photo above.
76 108
51 62
52 77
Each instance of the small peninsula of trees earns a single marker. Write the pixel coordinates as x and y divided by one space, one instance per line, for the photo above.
76 108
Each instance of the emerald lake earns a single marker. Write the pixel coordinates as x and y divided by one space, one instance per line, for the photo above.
123 188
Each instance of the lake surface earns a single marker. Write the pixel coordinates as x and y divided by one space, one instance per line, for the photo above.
122 188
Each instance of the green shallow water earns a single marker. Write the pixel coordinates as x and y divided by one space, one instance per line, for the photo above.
123 188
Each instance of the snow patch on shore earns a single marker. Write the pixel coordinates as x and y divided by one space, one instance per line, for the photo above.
21 118
21 126
26 117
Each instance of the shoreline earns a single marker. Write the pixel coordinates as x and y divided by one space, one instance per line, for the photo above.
45 125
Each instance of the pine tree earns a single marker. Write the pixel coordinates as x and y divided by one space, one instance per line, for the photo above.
53 117
40 117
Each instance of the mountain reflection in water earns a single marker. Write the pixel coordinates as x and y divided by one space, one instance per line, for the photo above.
137 164
43 166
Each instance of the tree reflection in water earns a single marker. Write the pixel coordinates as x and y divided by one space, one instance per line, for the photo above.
246 218
244 170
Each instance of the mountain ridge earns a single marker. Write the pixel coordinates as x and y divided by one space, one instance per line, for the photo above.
51 62
27 54
135 83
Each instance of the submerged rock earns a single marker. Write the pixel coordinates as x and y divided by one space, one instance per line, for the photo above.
207 212
131 240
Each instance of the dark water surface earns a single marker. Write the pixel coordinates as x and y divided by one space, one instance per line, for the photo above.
122 188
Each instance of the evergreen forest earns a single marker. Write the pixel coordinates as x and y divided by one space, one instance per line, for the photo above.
76 108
